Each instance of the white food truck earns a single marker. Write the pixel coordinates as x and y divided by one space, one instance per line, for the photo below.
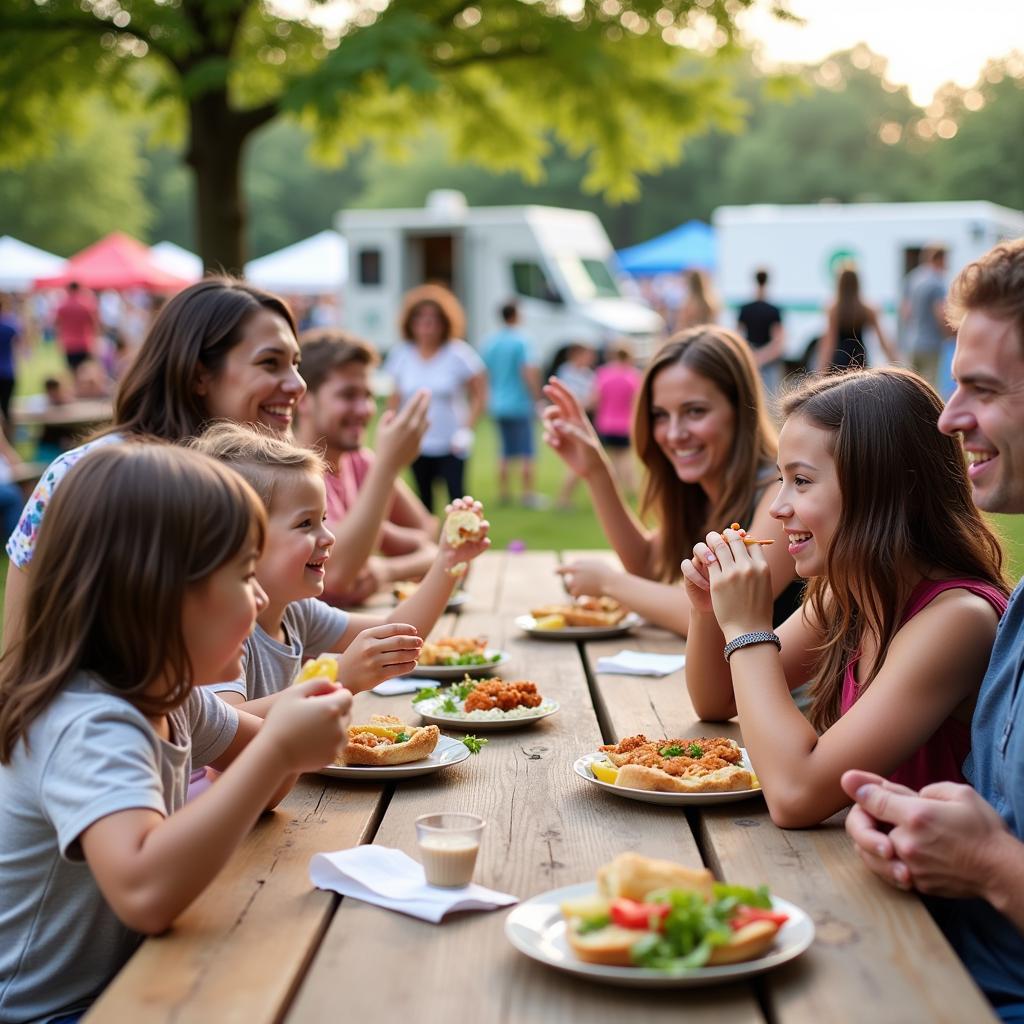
554 262
803 246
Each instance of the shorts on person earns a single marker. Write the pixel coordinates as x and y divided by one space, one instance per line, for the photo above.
516 437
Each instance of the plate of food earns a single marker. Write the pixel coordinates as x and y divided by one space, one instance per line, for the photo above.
387 748
586 618
700 770
484 704
452 657
653 924
406 588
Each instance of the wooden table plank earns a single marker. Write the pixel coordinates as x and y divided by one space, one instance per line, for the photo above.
545 829
878 955
238 952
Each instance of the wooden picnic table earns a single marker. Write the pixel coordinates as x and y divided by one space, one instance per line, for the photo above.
262 945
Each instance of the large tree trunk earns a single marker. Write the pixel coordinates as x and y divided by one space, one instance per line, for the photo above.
218 136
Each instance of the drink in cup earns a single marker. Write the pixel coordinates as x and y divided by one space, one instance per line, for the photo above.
448 844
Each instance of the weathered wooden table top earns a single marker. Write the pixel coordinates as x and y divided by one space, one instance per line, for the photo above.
261 945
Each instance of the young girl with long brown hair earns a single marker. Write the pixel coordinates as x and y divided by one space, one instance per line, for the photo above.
901 610
702 431
142 594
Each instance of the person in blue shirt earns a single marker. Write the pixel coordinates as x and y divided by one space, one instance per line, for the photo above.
10 332
515 392
963 846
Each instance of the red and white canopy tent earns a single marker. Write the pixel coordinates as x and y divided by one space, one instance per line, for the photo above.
117 262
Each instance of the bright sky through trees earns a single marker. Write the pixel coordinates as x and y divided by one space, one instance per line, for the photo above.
927 42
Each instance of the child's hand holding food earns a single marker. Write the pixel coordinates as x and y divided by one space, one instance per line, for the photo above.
464 534
309 724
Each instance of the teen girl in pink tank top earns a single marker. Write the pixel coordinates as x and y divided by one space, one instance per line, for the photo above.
904 593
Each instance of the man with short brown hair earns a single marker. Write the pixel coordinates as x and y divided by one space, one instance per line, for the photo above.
383 531
962 846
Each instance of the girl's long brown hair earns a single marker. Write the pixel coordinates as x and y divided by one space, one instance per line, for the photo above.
129 530
194 331
906 506
682 510
850 308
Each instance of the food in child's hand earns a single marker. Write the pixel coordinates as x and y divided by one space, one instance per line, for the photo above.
458 650
386 740
584 611
461 527
660 915
318 668
749 541
702 765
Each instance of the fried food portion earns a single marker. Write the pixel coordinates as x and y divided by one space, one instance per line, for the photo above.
702 764
506 695
584 611
749 541
387 740
446 647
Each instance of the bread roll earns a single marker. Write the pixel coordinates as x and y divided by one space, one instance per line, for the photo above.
635 877
719 780
421 742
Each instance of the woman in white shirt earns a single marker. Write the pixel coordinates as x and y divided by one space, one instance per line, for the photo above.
433 356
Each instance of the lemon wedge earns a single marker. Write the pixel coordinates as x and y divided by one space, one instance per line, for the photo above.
375 730
317 668
550 622
605 771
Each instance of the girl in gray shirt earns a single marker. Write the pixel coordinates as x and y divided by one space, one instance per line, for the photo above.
143 592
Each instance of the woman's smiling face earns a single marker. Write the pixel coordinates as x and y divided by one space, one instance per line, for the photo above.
694 424
259 381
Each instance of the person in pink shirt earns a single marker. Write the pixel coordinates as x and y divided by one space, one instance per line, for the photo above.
76 322
383 532
615 387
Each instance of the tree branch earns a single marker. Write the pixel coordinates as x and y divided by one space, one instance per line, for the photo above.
511 53
89 25
250 120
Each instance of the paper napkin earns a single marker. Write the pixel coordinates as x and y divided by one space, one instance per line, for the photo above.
403 684
639 663
391 879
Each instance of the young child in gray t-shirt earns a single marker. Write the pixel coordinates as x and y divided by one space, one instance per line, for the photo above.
142 592
295 623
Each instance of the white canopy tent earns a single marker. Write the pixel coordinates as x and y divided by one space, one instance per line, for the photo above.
314 266
177 261
21 264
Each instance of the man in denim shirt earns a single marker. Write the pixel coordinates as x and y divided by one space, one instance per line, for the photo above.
962 845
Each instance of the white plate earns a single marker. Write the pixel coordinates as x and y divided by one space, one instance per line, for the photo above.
581 767
537 929
446 753
458 671
549 707
528 624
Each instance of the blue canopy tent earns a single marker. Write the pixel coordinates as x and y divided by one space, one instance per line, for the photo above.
691 246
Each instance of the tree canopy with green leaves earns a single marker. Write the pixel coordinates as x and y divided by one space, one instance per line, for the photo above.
501 78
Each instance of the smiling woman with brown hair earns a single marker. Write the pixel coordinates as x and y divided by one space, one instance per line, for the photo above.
702 431
220 349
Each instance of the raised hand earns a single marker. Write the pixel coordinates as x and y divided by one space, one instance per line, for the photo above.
399 434
569 432
379 653
741 584
696 582
309 724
